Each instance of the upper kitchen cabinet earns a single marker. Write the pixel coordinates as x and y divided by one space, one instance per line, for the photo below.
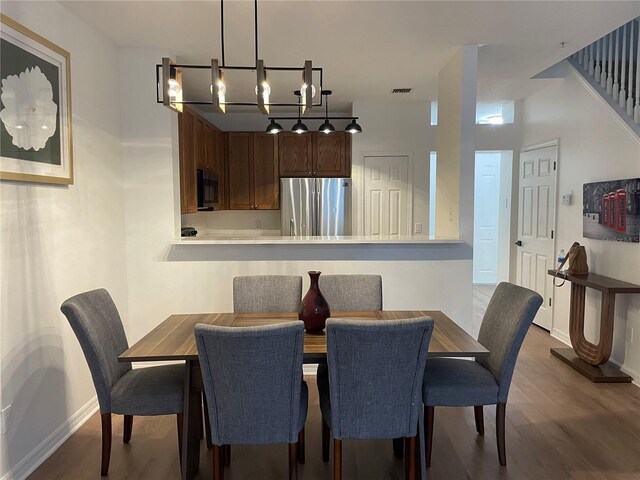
296 154
201 147
332 154
253 171
314 154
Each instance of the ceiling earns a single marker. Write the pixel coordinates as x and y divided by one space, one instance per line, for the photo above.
368 48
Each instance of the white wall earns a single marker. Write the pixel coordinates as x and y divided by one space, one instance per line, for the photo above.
394 127
594 146
57 241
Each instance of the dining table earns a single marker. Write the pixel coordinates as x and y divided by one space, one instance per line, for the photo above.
174 340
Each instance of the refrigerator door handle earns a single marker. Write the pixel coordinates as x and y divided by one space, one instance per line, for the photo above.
292 228
319 207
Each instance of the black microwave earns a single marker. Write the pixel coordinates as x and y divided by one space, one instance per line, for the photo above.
207 190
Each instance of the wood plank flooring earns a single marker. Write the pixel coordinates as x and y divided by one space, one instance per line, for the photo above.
559 426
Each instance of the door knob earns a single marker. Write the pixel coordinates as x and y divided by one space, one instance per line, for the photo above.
519 243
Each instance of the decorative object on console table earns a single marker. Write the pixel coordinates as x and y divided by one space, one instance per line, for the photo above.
588 359
611 210
314 309
35 136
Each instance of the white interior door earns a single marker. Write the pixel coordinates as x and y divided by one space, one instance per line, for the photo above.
485 218
536 223
386 196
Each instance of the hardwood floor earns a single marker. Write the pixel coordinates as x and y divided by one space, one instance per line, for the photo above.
559 426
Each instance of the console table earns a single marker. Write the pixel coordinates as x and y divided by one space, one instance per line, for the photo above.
585 357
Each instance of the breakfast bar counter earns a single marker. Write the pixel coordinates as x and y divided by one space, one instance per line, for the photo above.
211 239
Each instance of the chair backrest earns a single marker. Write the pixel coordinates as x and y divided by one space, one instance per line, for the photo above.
96 322
504 326
267 293
350 293
252 378
376 370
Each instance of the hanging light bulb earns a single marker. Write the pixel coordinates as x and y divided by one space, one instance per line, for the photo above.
353 127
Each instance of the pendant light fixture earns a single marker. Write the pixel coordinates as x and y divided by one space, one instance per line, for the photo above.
169 88
274 127
298 127
353 127
326 127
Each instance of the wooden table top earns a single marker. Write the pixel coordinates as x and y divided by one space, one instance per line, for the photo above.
173 339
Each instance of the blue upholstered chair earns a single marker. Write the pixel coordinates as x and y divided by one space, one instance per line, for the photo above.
462 383
157 390
267 293
254 388
375 382
349 293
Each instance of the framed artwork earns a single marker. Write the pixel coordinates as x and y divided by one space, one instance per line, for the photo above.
611 210
35 107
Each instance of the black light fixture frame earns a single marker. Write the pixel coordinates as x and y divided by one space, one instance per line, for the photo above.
323 93
170 70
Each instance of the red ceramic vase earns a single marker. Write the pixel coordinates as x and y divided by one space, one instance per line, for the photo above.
314 309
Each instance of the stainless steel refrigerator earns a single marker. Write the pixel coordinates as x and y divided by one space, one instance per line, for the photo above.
315 206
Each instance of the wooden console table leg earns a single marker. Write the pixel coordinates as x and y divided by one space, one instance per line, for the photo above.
587 351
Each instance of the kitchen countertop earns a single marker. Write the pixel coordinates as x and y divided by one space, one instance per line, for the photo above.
213 239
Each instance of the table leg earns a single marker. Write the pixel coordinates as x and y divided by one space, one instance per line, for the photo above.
587 351
192 420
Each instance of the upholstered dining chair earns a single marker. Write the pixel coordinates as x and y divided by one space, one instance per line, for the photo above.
254 388
96 323
485 381
375 382
267 293
349 293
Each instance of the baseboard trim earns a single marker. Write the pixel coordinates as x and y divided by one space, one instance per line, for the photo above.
635 376
559 335
49 445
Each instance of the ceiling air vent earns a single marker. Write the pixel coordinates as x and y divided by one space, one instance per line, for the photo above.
401 90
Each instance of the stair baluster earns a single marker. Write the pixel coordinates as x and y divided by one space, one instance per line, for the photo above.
616 85
636 111
596 70
609 82
591 60
630 82
623 78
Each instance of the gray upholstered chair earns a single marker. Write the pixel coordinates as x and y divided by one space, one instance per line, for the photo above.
463 383
267 293
254 388
375 382
121 390
351 293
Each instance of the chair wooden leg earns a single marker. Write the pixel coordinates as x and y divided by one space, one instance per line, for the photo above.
428 433
180 425
218 462
479 415
293 461
501 410
128 428
106 443
207 424
410 458
226 452
337 459
326 434
301 453
398 447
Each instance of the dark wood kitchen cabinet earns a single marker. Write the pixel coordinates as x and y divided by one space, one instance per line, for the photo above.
314 154
253 171
201 147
